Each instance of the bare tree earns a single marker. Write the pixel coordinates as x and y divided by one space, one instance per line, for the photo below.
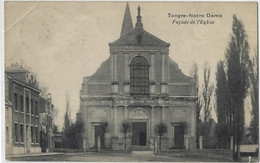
207 91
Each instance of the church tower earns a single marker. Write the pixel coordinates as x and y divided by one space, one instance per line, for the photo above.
141 85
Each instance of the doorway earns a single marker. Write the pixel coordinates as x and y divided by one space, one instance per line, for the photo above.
179 136
99 131
139 133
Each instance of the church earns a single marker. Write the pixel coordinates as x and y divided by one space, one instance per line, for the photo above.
138 83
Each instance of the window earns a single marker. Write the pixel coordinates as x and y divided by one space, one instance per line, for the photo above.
15 132
36 135
32 107
6 135
139 76
36 108
21 132
15 102
21 103
27 105
32 134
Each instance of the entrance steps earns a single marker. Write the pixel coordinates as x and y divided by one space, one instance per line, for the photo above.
142 152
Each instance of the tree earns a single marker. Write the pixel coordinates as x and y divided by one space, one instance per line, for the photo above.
207 92
254 124
222 106
67 121
194 74
125 128
55 129
238 68
160 129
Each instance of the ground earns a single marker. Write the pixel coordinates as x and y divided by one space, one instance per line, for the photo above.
121 157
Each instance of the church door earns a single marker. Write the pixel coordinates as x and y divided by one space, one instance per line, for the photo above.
179 136
139 133
99 132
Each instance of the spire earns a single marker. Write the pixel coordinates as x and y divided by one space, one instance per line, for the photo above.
139 23
127 25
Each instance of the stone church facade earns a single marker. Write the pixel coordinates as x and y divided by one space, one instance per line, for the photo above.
140 84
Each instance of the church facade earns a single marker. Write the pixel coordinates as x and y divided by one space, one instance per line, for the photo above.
140 84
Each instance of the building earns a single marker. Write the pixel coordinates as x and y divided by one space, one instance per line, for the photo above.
46 122
8 120
22 115
141 84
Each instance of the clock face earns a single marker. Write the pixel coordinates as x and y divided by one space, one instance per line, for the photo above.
43 27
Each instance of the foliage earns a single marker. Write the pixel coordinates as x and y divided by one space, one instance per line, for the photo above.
207 130
207 90
125 128
55 129
72 136
238 68
223 107
67 121
254 124
160 129
223 134
194 74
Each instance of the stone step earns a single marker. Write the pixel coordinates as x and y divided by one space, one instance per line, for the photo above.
142 152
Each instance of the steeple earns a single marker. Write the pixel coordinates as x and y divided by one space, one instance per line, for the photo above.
139 23
127 25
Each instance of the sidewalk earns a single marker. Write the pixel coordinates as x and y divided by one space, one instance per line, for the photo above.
33 154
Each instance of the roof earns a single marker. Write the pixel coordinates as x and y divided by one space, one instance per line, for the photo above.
15 68
139 37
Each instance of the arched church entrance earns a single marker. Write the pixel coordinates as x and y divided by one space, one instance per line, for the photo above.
139 119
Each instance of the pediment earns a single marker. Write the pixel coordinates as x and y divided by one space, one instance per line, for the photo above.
139 37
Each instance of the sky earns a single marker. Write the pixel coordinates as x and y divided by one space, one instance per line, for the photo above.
62 42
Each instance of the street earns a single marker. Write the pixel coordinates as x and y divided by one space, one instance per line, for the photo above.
114 157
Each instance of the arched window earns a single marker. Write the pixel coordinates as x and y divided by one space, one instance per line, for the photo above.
139 76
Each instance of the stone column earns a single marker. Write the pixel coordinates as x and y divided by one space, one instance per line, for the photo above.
163 68
173 141
152 75
152 67
163 114
127 78
115 121
125 112
201 142
231 142
164 73
115 67
115 82
93 135
152 120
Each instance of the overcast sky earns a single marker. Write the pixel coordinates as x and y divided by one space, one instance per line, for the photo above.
64 41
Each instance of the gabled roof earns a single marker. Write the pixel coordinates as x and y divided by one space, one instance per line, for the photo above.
140 37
